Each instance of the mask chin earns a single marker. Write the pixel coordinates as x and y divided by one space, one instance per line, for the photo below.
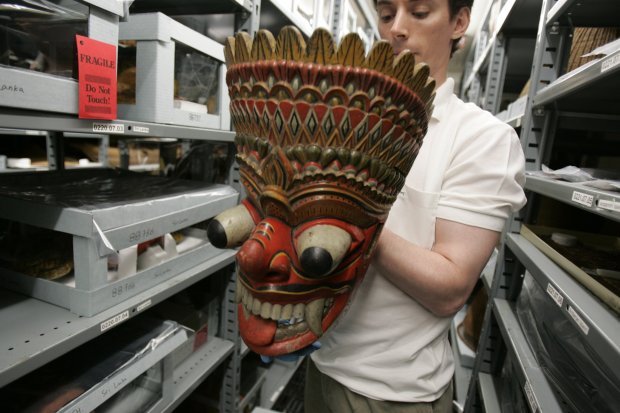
277 337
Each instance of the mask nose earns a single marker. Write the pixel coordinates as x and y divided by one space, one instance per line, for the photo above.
262 257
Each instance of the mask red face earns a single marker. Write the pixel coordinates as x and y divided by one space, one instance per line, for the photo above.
324 141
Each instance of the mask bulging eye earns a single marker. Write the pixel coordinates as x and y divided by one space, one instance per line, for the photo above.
321 248
230 228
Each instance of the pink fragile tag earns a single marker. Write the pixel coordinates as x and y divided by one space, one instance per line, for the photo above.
96 78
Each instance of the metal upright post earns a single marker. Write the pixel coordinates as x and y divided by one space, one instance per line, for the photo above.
495 76
229 394
55 151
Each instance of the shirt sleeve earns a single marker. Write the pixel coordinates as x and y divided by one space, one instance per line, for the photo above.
484 181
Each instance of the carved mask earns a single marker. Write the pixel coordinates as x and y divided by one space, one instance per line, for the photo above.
324 141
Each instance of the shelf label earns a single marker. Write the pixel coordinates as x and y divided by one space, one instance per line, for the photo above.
144 305
583 199
609 204
530 396
115 320
555 295
109 127
140 129
96 79
610 63
582 324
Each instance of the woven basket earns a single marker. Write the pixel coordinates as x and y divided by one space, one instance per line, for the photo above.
586 39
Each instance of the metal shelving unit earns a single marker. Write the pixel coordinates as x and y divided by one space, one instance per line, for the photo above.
278 375
597 322
593 13
502 59
36 332
191 372
596 83
596 201
586 100
529 374
47 121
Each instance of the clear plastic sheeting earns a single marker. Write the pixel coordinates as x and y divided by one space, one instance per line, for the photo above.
605 180
98 188
97 374
581 378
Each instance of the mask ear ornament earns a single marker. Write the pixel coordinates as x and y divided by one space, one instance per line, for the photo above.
325 137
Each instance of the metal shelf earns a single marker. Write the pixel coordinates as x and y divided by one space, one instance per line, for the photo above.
175 7
592 88
591 13
531 378
599 325
480 62
488 393
596 201
191 372
278 376
515 17
273 17
36 332
249 396
48 121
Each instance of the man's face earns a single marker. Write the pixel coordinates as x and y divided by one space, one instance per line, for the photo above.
424 27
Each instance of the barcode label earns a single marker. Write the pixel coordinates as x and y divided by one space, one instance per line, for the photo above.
610 205
140 129
114 320
144 305
610 63
109 127
555 295
583 199
582 324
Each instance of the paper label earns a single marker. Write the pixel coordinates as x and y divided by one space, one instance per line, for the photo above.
96 78
610 205
557 297
582 324
583 199
529 393
610 63
114 320
109 127
140 129
144 305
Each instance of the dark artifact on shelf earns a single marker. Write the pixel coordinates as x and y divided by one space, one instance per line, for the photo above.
325 137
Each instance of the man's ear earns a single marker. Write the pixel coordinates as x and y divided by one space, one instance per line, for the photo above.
461 22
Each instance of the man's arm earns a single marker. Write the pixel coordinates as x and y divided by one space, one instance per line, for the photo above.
442 278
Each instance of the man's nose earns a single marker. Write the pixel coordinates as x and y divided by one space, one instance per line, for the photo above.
400 29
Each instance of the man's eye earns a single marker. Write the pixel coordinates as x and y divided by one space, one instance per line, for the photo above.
386 18
420 14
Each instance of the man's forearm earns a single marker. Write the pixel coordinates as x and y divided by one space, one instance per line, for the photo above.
442 278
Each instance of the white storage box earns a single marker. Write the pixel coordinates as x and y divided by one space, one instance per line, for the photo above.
178 77
103 212
37 49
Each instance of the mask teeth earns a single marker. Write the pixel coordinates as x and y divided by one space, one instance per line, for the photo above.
289 315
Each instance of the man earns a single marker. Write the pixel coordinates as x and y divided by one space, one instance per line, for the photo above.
389 351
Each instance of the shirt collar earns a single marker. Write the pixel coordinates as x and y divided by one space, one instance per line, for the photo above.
442 97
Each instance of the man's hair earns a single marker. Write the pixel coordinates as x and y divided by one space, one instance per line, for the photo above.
454 7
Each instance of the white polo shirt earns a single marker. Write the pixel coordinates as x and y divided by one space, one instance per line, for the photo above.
470 169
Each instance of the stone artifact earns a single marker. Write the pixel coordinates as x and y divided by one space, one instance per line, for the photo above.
325 137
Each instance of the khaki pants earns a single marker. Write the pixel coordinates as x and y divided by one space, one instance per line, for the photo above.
325 395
